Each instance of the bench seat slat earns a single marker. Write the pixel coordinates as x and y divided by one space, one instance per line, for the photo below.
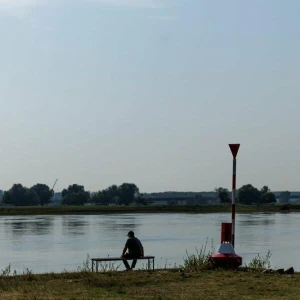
120 258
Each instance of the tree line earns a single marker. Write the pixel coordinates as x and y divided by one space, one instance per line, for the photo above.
124 194
18 195
41 194
248 194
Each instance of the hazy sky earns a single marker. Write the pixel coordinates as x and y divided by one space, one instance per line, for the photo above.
101 92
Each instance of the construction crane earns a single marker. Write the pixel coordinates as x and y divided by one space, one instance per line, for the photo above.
52 190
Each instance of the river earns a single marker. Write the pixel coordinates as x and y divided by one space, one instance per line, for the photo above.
62 242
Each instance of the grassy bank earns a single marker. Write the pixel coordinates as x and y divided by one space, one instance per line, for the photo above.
160 284
40 210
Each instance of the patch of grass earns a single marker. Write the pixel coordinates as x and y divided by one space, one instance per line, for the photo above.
108 267
86 265
6 271
102 266
160 284
199 260
260 262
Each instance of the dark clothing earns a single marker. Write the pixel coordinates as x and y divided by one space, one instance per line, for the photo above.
135 250
134 247
127 255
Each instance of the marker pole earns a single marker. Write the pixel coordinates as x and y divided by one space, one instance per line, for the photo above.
233 201
234 150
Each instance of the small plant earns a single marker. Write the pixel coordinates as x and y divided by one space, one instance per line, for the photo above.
199 260
102 267
108 267
27 272
86 265
6 271
260 262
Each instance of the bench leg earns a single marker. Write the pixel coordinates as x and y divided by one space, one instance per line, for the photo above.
97 266
153 263
92 266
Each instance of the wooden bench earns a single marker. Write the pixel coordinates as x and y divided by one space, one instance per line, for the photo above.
96 261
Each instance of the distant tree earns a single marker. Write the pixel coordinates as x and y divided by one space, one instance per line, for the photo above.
75 195
74 188
112 194
284 197
116 200
1 196
31 198
223 195
44 193
265 189
20 196
112 191
7 198
140 200
127 193
266 196
248 194
107 196
101 198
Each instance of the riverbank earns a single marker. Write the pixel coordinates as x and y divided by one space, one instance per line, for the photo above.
98 209
159 284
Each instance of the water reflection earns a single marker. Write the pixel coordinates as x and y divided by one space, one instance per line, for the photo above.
74 225
116 226
35 226
265 220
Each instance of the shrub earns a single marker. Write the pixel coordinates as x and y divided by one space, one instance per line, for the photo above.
200 260
260 262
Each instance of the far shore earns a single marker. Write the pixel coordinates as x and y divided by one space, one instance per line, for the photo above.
99 209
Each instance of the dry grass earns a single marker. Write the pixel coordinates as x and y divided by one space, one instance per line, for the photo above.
160 284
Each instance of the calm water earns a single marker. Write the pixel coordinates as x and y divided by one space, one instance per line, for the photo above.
57 243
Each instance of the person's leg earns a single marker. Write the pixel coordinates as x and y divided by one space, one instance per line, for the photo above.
126 262
133 264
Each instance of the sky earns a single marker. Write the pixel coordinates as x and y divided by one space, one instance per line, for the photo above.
101 92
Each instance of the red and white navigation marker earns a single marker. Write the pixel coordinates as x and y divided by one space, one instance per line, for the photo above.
234 150
226 256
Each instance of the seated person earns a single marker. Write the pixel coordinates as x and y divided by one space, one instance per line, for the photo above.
135 250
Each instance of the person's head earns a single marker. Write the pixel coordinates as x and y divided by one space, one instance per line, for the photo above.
130 234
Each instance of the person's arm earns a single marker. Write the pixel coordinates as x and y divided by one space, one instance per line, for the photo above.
141 248
124 251
125 248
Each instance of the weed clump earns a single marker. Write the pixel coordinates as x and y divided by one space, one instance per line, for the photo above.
200 260
260 262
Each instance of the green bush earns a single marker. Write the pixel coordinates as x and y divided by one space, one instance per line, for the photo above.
200 260
260 262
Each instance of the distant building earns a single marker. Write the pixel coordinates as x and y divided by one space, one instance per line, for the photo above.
293 198
197 199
